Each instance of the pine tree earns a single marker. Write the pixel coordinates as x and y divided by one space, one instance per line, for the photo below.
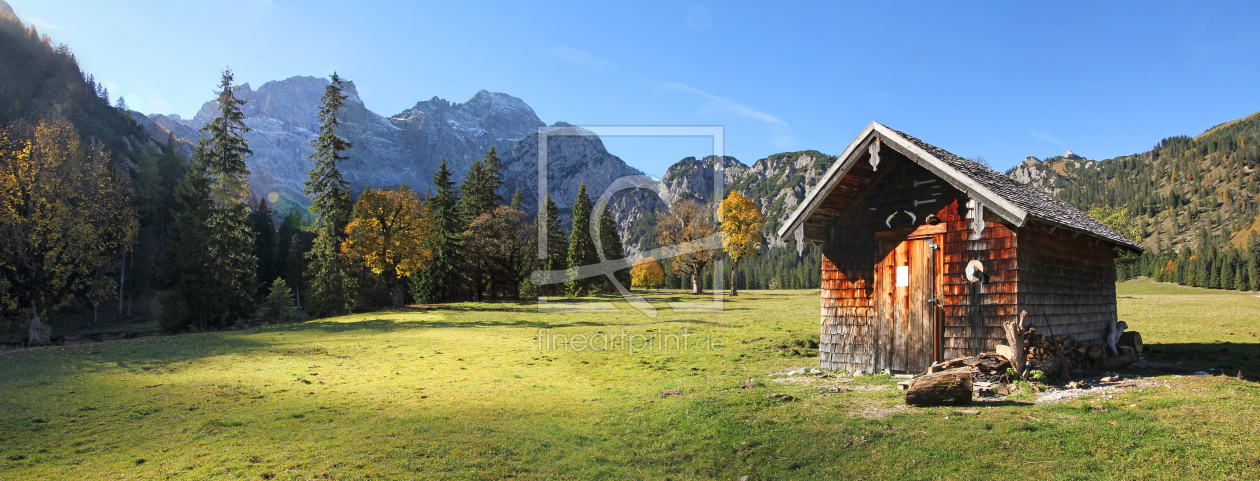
440 279
557 247
581 245
610 242
1253 258
199 295
480 187
331 282
231 240
264 226
517 200
216 242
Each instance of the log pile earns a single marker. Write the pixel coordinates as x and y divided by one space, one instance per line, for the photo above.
987 367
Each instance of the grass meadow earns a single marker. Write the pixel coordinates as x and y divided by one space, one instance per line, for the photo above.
501 390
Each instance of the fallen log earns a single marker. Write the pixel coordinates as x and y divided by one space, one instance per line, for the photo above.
940 388
1116 362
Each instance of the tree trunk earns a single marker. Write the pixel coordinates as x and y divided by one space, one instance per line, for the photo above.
122 280
734 288
696 285
1116 362
40 331
946 387
396 296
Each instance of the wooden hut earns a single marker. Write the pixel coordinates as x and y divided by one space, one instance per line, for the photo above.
925 254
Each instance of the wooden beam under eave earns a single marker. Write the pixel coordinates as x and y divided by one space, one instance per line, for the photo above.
815 233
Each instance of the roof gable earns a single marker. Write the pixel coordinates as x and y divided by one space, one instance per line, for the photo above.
1011 200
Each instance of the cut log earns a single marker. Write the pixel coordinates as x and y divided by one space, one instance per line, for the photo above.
1095 352
940 388
1116 362
1132 339
1004 351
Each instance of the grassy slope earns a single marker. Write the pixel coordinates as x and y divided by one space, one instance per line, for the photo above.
464 391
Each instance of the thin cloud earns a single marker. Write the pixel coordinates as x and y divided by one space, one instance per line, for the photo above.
781 128
578 57
39 23
1044 137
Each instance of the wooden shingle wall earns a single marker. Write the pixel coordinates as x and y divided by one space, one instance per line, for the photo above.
974 311
1067 282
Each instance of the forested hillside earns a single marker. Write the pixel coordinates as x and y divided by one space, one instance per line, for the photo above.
42 79
1183 186
1192 201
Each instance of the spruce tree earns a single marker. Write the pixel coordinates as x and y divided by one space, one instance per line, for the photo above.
480 187
219 228
264 225
610 241
518 200
438 281
557 246
581 245
1253 260
331 283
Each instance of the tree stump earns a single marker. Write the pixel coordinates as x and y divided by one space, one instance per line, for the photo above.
1015 338
940 388
1132 339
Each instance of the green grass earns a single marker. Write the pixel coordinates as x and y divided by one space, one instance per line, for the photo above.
1201 328
464 391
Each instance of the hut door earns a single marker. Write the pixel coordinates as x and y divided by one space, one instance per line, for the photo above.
905 282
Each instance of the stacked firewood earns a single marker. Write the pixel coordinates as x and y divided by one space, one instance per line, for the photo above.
987 367
1055 355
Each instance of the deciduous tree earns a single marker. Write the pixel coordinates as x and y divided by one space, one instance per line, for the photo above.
647 273
391 235
62 217
496 249
689 230
741 231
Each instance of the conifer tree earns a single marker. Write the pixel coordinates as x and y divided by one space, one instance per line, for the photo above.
437 282
517 200
557 246
264 225
331 282
581 245
192 244
610 242
1253 258
219 228
480 187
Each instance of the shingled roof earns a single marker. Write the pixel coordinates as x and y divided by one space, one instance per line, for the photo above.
1014 201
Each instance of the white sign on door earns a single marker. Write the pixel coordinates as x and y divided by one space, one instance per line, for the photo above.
903 276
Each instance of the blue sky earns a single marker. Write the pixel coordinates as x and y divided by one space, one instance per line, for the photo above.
999 80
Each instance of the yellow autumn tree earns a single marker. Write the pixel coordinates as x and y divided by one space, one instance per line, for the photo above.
647 273
391 234
741 230
63 217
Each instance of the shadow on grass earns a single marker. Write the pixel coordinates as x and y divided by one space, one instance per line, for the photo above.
1230 358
